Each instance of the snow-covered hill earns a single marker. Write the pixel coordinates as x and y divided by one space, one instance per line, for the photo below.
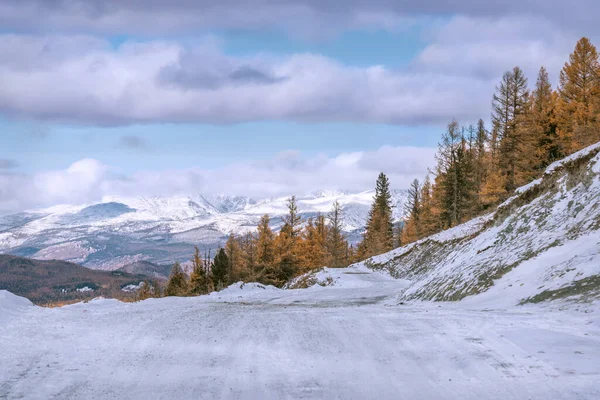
541 244
120 231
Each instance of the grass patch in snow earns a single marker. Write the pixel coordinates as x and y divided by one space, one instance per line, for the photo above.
586 288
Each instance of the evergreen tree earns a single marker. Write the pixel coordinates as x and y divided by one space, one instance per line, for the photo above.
200 283
579 106
178 282
379 232
412 207
219 269
336 243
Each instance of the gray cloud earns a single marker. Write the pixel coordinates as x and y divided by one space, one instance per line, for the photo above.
207 68
83 80
297 16
133 142
6 163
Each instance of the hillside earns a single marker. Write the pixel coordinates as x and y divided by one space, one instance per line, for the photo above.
148 269
541 244
51 281
162 230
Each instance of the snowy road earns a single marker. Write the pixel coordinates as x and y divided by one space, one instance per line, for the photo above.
348 341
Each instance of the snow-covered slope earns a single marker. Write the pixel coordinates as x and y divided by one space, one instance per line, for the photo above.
543 243
121 231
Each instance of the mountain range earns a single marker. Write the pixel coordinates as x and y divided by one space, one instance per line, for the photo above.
120 231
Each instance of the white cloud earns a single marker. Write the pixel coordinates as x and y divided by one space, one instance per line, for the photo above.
486 47
83 79
88 180
160 81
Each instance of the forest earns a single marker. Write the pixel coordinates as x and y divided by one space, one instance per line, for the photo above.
478 167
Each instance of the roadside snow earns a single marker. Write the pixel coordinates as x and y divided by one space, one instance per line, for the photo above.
343 341
11 304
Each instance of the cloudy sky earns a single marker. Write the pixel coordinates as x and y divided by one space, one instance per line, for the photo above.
255 97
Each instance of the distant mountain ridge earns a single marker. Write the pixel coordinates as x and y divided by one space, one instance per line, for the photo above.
161 230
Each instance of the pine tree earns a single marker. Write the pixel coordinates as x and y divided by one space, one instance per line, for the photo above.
379 232
200 283
219 269
579 89
412 207
336 243
178 282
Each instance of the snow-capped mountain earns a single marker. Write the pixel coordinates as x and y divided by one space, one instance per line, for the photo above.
119 231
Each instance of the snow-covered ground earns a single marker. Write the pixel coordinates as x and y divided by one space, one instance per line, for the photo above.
349 340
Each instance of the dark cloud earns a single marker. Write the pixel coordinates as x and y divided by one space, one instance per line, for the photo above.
247 74
209 69
133 142
304 16
6 163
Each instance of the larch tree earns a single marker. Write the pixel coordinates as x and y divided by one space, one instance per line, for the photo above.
313 245
428 216
509 105
248 249
234 256
544 147
336 243
265 246
579 98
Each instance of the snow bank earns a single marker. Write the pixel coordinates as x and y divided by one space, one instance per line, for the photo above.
12 302
12 305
